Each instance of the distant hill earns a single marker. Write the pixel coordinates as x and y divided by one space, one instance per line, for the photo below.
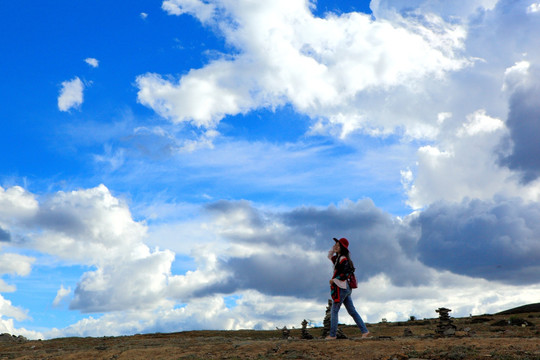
521 309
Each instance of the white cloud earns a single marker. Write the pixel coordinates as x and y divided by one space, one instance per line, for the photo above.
15 264
129 283
465 163
6 287
91 227
61 294
533 8
88 226
202 10
478 122
493 114
8 326
92 62
71 94
144 16
516 75
16 204
289 56
8 310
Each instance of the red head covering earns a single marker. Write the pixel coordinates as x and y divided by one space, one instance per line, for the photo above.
344 242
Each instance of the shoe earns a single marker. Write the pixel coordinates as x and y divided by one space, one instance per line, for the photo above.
367 335
330 338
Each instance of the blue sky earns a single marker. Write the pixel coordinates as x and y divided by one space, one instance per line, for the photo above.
164 163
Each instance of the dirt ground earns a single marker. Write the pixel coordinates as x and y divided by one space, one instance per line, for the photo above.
500 337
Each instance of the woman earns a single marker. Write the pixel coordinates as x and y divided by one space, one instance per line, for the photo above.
340 288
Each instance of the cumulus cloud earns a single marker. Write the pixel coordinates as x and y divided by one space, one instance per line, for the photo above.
92 62
494 240
61 294
523 121
267 248
95 228
486 145
9 313
463 163
90 227
134 283
16 205
71 94
15 264
287 55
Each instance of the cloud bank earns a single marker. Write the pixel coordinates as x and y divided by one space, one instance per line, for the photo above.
257 256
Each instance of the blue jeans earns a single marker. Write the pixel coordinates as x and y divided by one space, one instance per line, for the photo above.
345 297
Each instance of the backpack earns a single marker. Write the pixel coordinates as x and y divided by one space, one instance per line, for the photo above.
352 281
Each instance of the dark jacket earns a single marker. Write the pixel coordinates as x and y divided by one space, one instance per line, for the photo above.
342 271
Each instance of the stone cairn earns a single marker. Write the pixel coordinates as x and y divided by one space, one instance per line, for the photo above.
445 327
305 334
285 333
326 324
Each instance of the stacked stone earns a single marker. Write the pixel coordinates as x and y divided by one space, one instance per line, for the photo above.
305 334
445 326
326 324
285 333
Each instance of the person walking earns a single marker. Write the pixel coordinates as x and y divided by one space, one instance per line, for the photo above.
340 288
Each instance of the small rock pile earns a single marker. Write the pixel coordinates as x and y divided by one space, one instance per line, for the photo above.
326 324
285 333
445 327
305 334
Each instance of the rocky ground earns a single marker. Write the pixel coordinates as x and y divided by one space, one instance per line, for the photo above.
498 337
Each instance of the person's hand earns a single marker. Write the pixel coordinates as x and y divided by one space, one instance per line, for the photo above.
331 281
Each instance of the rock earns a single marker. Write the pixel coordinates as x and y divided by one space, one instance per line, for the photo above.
5 337
449 332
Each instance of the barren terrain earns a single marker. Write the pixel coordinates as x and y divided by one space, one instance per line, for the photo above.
500 337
